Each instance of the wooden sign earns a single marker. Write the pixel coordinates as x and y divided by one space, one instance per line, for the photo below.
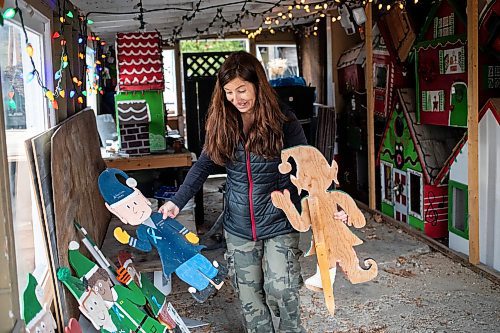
333 241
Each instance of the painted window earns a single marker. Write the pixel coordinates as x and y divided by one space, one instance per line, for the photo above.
452 61
493 77
415 193
444 26
386 181
380 77
433 101
458 210
26 114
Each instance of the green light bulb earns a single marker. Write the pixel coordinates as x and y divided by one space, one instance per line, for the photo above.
9 13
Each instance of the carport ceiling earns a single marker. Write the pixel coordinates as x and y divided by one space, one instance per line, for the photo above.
177 19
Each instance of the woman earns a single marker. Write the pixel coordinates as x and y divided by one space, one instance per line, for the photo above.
246 130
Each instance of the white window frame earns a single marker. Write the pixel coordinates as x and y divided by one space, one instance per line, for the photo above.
408 184
38 23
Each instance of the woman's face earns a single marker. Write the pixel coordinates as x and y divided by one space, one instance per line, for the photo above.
241 94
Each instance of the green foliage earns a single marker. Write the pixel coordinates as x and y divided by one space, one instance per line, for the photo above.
192 46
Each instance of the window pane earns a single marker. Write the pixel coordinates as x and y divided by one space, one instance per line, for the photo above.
415 194
459 209
279 61
170 92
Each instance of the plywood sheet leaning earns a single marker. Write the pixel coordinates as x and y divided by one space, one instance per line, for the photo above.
39 149
333 241
76 164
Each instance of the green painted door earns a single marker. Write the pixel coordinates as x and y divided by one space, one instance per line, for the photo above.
458 113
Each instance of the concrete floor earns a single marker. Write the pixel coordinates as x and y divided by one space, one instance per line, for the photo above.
416 290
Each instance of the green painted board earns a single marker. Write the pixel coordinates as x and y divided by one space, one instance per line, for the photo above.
154 98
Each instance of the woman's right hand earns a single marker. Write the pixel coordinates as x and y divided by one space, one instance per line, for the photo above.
169 209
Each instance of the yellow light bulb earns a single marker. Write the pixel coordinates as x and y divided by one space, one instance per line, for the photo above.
50 95
62 93
29 50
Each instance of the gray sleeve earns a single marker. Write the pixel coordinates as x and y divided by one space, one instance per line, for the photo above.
194 180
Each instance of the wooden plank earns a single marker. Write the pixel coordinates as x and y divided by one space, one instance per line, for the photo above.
472 124
76 165
41 150
149 161
370 105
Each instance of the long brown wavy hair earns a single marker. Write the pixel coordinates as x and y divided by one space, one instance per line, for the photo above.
223 131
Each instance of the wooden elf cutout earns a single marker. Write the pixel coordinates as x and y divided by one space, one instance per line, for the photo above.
91 304
36 318
125 301
333 241
156 300
175 244
73 326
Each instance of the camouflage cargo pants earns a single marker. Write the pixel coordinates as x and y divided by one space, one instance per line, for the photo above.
266 276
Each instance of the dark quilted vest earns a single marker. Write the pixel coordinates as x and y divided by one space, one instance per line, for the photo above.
264 178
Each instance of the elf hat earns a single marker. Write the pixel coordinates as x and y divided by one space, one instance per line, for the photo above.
112 190
82 265
74 285
32 309
307 159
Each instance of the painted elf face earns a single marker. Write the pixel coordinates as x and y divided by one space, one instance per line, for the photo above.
134 210
45 324
102 286
96 311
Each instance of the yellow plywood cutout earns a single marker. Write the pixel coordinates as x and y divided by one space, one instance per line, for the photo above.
333 241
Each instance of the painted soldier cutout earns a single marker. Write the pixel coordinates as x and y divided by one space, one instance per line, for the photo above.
37 319
175 244
156 300
124 301
333 241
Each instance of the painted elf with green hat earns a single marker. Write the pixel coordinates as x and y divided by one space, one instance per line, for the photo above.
37 318
91 304
124 301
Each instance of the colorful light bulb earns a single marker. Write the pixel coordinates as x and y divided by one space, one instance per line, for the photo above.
9 13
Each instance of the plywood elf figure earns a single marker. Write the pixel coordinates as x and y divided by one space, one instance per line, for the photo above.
91 304
333 241
175 244
37 318
155 298
125 301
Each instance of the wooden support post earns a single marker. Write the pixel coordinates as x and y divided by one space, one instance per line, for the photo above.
370 105
472 124
178 78
253 46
